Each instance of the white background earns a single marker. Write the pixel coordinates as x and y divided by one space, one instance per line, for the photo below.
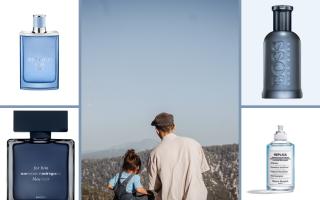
302 128
16 16
6 130
257 22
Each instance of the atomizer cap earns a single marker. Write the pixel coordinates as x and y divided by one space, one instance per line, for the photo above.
39 24
282 17
39 21
282 8
280 135
40 121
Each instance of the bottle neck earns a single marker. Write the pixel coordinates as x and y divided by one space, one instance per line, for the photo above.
40 136
282 17
39 30
280 141
282 21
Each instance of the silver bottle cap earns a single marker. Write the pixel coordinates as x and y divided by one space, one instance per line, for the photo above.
280 135
39 24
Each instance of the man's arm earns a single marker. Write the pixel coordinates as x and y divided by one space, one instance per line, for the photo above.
204 163
154 181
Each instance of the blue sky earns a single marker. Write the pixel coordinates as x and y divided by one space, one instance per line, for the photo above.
142 57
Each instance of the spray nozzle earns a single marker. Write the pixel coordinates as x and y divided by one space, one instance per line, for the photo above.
280 134
39 23
282 17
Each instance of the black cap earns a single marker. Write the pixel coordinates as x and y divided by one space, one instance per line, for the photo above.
40 121
163 119
282 17
282 8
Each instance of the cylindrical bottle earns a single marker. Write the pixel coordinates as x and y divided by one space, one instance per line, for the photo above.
282 73
280 163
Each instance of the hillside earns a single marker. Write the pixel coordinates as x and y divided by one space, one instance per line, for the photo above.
221 180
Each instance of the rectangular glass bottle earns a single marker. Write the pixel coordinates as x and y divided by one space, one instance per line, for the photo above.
40 167
39 57
280 163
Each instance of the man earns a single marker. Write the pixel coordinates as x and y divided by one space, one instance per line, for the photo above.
176 165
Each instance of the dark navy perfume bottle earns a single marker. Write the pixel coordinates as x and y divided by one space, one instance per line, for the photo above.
40 167
282 71
39 57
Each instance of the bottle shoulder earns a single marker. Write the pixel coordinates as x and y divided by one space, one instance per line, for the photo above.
47 34
280 144
281 35
69 142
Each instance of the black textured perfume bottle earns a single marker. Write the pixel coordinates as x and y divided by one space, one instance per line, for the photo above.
282 71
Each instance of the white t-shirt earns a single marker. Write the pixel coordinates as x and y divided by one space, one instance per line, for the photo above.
175 169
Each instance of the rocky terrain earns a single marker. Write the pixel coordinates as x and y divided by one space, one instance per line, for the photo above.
221 180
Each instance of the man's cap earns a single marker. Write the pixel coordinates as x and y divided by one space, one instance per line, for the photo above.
163 119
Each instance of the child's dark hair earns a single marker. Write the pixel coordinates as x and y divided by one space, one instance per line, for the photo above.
131 161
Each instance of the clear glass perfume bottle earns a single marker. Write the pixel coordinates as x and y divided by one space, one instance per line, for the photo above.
280 163
39 57
40 167
282 60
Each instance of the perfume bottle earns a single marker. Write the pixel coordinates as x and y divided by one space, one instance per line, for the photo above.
40 167
280 163
39 57
282 76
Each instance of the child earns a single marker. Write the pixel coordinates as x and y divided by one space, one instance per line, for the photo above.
126 183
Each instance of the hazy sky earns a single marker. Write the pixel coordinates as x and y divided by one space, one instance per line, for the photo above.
142 57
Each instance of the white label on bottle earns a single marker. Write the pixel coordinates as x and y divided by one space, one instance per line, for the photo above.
280 167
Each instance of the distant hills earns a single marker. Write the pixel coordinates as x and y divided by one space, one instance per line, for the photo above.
120 150
221 180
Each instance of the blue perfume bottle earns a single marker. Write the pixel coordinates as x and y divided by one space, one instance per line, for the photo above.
40 167
39 57
280 163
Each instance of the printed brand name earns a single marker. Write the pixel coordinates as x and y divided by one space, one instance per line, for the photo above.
39 62
280 154
40 173
280 55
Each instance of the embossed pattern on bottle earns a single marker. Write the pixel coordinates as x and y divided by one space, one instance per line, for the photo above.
280 69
